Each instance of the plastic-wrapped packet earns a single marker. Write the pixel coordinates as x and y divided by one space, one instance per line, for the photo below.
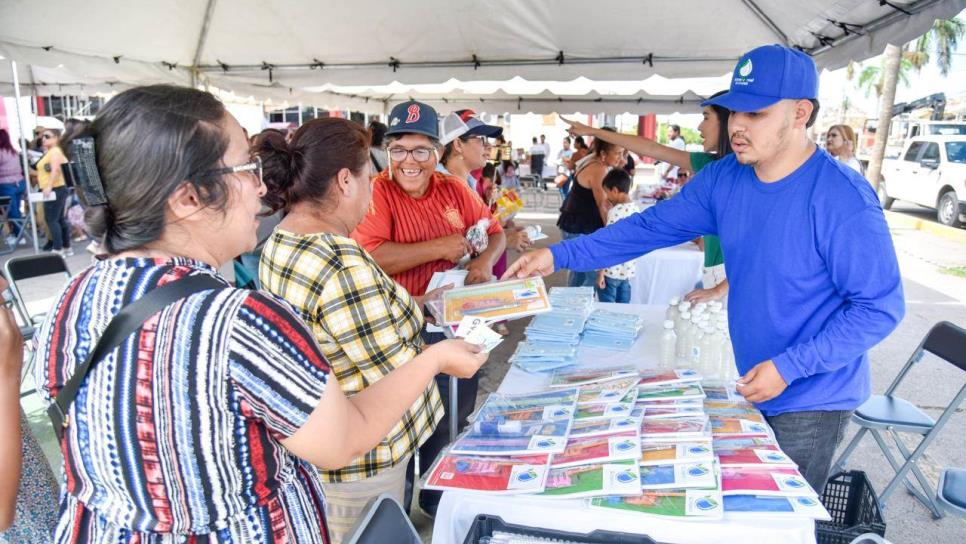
477 236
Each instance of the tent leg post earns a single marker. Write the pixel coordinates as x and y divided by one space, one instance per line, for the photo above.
23 154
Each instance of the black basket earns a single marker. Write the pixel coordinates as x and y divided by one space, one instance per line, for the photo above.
484 525
854 507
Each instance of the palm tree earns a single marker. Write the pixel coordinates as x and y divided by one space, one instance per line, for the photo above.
872 78
943 37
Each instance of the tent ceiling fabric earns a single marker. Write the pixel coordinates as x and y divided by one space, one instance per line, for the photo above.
280 49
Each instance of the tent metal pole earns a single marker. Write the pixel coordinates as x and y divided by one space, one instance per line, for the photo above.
23 154
764 18
202 38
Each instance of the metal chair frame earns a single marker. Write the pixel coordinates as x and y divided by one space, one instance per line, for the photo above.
948 342
22 222
24 268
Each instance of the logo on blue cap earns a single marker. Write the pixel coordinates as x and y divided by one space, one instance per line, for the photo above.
744 69
767 74
413 118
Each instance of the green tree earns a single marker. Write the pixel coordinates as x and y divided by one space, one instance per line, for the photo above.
690 135
941 40
872 78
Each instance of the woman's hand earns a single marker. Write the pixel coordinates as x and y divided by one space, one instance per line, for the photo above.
430 296
458 357
478 272
532 263
706 295
518 240
576 128
452 248
601 282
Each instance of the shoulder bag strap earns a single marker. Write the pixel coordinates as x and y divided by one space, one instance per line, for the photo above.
129 319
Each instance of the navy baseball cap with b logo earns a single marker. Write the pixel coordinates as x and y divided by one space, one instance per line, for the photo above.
413 117
766 75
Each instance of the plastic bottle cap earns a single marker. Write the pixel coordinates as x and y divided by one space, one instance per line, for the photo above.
674 301
685 306
668 324
685 315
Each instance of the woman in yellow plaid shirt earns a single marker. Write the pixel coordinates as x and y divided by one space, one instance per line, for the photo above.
366 324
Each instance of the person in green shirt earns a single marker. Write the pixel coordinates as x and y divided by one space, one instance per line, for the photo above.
716 142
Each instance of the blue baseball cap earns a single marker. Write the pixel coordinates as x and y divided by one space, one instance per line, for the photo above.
477 127
414 117
767 74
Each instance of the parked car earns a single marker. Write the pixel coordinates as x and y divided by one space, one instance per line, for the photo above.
930 172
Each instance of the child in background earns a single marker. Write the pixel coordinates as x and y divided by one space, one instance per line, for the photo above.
613 284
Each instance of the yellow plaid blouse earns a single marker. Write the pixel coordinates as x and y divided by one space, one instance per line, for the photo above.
366 324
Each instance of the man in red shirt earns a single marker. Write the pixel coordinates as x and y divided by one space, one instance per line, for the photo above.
417 225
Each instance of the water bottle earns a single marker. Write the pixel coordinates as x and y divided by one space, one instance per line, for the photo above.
672 310
683 308
669 342
682 350
709 356
728 357
532 231
701 307
697 339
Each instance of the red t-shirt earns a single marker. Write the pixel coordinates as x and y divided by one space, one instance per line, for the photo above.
449 206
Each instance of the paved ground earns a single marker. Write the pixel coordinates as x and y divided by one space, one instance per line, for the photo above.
913 210
931 296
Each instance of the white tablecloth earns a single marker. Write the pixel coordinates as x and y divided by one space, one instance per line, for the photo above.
457 510
666 273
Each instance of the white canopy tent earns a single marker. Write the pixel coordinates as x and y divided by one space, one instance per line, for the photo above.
297 50
342 55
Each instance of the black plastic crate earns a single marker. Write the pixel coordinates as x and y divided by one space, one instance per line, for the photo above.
485 525
854 507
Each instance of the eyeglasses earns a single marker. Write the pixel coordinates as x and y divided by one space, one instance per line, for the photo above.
255 167
420 154
482 139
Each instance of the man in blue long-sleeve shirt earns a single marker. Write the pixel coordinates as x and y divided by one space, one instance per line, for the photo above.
813 272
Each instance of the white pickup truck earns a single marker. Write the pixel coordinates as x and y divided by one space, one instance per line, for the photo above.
931 172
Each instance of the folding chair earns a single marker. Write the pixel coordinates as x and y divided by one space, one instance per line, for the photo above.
383 520
895 415
5 219
951 493
20 269
529 190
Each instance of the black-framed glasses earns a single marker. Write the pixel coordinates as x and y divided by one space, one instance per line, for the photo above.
255 167
420 154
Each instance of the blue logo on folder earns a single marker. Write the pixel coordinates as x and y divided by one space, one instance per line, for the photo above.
706 503
697 470
626 477
624 446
